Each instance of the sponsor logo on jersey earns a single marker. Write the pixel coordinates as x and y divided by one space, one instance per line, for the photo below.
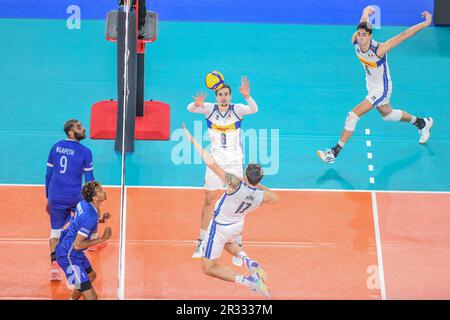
370 64
224 128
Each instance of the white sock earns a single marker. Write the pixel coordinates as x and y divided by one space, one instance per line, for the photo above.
341 144
243 280
242 254
244 258
202 234
413 119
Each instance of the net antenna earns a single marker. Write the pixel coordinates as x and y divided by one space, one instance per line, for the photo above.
123 199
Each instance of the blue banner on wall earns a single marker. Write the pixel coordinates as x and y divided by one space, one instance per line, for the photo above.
392 12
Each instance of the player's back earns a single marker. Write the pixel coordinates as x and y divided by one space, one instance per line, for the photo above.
84 222
232 208
69 159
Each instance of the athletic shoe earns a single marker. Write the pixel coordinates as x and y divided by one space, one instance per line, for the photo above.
237 261
425 132
55 272
98 246
254 267
258 285
198 250
326 156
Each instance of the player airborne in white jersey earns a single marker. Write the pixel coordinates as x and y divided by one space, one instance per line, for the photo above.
373 56
224 127
241 197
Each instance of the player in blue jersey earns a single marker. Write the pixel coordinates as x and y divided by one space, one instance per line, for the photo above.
78 237
373 57
67 162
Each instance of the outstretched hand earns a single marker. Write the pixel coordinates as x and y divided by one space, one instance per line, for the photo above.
428 17
245 87
199 99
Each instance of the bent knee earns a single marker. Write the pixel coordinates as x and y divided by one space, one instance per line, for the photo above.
351 121
92 276
207 268
394 115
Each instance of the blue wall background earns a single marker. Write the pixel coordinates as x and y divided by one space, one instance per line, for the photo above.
394 12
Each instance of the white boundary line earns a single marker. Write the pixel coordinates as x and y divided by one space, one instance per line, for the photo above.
279 189
379 247
171 241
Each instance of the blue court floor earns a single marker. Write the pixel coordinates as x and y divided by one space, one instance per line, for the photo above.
304 78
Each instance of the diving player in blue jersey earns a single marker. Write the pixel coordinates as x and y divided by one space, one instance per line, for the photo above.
67 162
78 237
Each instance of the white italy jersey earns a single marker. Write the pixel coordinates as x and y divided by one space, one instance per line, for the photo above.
232 208
225 135
378 77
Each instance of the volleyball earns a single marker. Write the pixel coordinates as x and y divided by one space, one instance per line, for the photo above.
214 80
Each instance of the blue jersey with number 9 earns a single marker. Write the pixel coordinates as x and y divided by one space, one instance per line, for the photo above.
69 160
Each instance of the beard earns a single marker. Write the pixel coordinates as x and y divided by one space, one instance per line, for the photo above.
80 136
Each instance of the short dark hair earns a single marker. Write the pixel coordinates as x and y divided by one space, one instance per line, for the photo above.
224 86
88 191
366 25
68 125
254 173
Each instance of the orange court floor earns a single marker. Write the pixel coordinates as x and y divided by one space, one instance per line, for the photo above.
313 244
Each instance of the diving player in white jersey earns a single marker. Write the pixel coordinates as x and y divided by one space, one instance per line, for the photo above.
373 56
241 197
224 127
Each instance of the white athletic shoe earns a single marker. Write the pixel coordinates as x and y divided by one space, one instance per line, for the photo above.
326 156
237 261
55 272
198 250
425 132
254 267
259 285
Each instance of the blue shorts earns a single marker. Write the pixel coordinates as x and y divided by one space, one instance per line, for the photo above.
76 266
60 213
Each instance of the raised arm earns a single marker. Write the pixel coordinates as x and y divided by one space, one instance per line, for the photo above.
367 12
251 107
270 197
199 106
384 47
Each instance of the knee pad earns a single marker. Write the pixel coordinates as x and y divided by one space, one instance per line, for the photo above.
395 115
55 233
350 122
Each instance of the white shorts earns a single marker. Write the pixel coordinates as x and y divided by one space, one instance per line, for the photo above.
213 182
380 96
217 236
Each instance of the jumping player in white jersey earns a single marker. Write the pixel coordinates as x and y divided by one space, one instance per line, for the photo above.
224 127
241 197
373 56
